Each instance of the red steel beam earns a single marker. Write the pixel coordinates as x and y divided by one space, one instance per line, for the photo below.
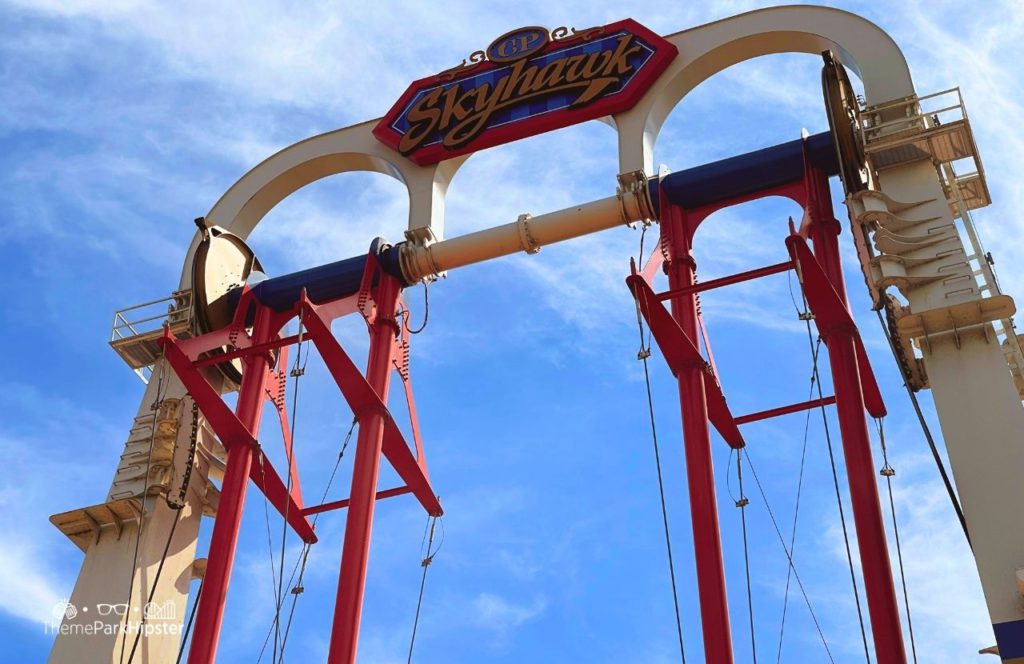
680 352
341 504
223 541
242 352
365 398
699 396
785 410
831 314
366 466
233 433
822 278
286 429
727 281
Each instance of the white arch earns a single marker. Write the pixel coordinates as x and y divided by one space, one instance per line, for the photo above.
353 148
703 51
708 49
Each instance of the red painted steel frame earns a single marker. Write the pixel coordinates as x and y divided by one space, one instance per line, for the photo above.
681 352
249 409
842 343
727 281
855 390
340 504
366 467
785 410
378 433
707 541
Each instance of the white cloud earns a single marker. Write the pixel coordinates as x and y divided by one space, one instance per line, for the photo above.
946 602
30 588
502 616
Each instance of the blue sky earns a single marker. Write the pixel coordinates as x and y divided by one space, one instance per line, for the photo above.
122 121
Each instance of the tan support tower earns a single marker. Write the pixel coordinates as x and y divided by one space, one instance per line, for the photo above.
102 617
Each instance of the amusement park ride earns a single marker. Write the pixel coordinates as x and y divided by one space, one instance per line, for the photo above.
894 152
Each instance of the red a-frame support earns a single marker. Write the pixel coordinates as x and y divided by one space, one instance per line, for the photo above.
378 302
702 401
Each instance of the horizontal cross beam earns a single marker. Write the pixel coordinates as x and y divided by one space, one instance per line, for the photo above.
727 281
341 504
785 410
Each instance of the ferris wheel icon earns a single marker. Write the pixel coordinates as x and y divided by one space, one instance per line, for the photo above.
64 610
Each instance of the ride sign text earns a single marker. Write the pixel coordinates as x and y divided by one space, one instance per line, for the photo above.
526 82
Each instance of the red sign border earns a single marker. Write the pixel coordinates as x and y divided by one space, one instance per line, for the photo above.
664 52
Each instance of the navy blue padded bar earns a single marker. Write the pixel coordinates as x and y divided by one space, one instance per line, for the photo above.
323 284
749 173
326 282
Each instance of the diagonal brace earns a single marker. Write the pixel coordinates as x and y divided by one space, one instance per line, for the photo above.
831 314
361 398
231 432
680 351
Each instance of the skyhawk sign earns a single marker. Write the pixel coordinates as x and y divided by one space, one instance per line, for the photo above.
526 82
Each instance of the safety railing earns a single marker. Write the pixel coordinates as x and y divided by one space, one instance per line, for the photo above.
135 329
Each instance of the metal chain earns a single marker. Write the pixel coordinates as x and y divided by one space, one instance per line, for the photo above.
176 506
186 477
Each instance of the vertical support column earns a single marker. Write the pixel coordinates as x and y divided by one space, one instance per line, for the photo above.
707 541
224 539
366 466
860 468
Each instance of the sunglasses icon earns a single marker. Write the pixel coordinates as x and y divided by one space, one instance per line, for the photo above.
116 609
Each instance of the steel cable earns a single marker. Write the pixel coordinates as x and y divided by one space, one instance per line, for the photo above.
782 541
926 430
887 472
160 392
432 522
796 508
742 504
300 564
296 373
815 350
191 619
644 353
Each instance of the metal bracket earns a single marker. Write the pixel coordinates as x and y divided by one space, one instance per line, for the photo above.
530 245
634 184
423 235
